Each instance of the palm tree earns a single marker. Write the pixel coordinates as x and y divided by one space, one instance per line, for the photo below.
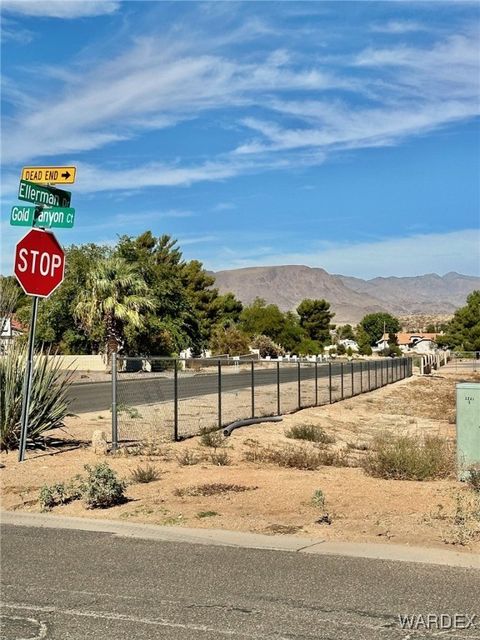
114 296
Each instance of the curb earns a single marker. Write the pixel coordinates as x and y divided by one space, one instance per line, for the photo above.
220 537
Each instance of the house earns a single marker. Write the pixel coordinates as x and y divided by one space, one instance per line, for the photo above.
411 342
349 343
10 329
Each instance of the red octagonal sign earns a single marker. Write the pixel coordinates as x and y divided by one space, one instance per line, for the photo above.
39 263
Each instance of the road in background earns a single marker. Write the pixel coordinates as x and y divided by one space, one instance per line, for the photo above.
59 584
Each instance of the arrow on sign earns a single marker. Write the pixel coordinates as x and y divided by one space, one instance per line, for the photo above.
66 175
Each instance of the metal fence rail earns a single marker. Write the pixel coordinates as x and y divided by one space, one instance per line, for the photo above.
167 398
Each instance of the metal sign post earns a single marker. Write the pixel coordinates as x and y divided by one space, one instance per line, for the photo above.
27 385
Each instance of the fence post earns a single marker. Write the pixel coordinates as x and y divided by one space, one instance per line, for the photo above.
352 371
114 403
252 378
376 374
316 383
219 394
361 377
368 375
299 376
278 388
175 402
330 382
341 380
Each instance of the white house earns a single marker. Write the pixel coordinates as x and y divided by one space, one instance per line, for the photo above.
411 342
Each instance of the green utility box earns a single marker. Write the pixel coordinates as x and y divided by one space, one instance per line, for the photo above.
468 427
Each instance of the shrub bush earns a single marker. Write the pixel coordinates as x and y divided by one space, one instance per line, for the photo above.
188 458
410 458
220 458
215 488
210 438
144 475
102 488
310 432
298 457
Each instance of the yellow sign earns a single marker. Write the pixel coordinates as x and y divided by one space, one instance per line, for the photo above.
49 175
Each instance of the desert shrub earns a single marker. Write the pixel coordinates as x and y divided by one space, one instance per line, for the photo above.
101 488
464 524
407 457
310 432
206 514
49 403
298 457
216 488
474 478
212 438
318 499
52 495
131 412
148 449
188 458
267 347
144 475
59 493
220 458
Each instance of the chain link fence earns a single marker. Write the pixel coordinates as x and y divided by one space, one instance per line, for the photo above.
166 398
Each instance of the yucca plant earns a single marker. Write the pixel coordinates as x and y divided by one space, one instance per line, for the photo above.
48 400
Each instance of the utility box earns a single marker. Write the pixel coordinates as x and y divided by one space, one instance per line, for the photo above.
468 427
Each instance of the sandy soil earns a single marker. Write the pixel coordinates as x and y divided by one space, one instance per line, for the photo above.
279 500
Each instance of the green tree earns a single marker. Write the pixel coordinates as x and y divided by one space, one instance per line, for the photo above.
375 324
229 341
341 349
114 298
260 318
210 307
463 331
309 347
315 317
292 334
173 323
345 332
363 340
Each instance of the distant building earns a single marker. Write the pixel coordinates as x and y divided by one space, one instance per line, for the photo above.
349 343
11 329
411 342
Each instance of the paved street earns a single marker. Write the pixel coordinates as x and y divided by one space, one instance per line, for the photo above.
67 584
97 396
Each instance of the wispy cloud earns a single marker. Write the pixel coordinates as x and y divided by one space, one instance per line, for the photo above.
399 26
66 9
406 256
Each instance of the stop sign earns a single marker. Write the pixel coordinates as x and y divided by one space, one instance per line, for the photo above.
39 263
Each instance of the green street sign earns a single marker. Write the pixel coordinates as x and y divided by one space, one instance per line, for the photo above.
59 217
41 194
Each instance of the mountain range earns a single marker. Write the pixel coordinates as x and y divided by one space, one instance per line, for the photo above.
350 298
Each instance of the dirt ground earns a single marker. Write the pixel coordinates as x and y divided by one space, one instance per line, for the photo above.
278 500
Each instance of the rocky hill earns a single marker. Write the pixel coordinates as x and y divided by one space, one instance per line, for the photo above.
351 298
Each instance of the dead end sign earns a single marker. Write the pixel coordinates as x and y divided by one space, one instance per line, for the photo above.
39 263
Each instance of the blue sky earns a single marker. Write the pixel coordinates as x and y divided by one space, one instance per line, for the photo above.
342 135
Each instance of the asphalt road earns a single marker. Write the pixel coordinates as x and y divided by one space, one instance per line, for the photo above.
97 396
76 585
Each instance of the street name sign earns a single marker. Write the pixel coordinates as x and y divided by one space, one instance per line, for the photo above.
52 175
59 217
39 263
40 194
